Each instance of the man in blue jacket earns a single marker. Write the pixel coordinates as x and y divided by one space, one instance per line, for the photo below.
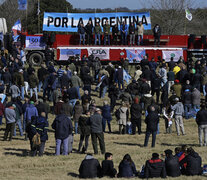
124 30
63 129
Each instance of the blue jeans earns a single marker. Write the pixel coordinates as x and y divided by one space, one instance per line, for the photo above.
158 128
65 146
1 120
204 90
22 92
39 86
72 102
108 38
76 127
147 135
104 124
77 88
187 109
82 37
196 107
140 40
35 91
104 90
99 39
19 124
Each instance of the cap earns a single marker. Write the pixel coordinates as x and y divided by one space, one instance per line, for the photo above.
20 70
177 81
98 109
168 151
155 155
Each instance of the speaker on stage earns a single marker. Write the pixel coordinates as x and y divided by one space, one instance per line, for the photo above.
191 38
22 39
45 37
52 38
203 39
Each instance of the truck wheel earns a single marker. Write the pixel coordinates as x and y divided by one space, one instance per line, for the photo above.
35 59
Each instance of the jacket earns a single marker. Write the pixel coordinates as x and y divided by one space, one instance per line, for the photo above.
95 122
178 109
152 120
172 166
106 112
194 162
90 168
201 117
31 110
78 110
108 168
84 128
40 125
155 168
140 29
196 97
147 99
187 97
136 111
67 109
10 115
106 29
177 89
33 81
42 73
76 81
63 126
97 29
124 115
127 169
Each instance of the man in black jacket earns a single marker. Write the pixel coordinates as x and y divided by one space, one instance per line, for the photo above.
108 166
89 32
201 120
193 161
90 167
95 123
63 129
136 114
155 167
152 121
172 164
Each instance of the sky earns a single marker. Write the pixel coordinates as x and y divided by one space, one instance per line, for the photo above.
131 4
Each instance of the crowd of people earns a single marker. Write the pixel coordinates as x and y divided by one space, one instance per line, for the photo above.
157 89
118 33
185 162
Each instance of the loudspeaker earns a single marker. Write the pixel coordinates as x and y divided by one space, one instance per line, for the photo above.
52 38
203 39
45 37
191 38
22 39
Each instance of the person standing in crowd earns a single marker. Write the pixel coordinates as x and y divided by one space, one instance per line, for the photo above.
89 32
108 166
132 34
127 168
196 99
178 111
157 34
124 30
33 84
136 114
41 74
115 31
78 110
39 126
106 113
106 30
155 167
201 120
151 121
19 81
81 31
76 82
2 110
10 116
63 129
113 95
90 168
98 31
14 91
95 123
170 78
140 29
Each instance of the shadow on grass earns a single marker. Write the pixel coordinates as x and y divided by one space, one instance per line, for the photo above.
168 144
129 144
73 174
19 152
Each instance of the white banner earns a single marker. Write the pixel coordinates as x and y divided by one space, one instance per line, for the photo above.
99 52
175 54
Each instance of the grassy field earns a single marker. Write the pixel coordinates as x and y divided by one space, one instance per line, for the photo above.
17 164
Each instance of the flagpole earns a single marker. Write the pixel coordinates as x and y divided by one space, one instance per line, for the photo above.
26 16
185 27
38 16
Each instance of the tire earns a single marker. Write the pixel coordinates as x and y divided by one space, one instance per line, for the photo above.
35 59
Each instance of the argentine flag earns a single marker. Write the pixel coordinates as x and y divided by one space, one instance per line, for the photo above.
16 30
126 76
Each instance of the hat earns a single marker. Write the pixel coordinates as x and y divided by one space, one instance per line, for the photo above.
40 100
13 105
176 99
168 151
20 70
177 81
98 109
155 155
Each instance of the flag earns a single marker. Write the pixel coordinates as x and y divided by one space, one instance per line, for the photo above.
188 15
137 55
16 30
126 76
22 5
38 7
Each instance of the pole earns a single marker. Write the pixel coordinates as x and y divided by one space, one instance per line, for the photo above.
26 16
38 9
185 24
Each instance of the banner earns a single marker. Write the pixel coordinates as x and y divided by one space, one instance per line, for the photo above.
99 52
66 53
175 54
22 5
137 55
16 30
68 22
34 42
126 76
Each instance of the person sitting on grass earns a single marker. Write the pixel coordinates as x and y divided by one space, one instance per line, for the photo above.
108 166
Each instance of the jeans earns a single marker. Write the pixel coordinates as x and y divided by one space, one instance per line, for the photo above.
106 37
187 109
196 107
99 39
1 120
19 124
82 37
65 146
147 135
22 92
35 91
82 137
202 129
140 40
70 143
39 86
104 124
78 91
72 102
204 90
132 39
76 127
26 85
124 38
103 91
39 148
179 124
136 123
